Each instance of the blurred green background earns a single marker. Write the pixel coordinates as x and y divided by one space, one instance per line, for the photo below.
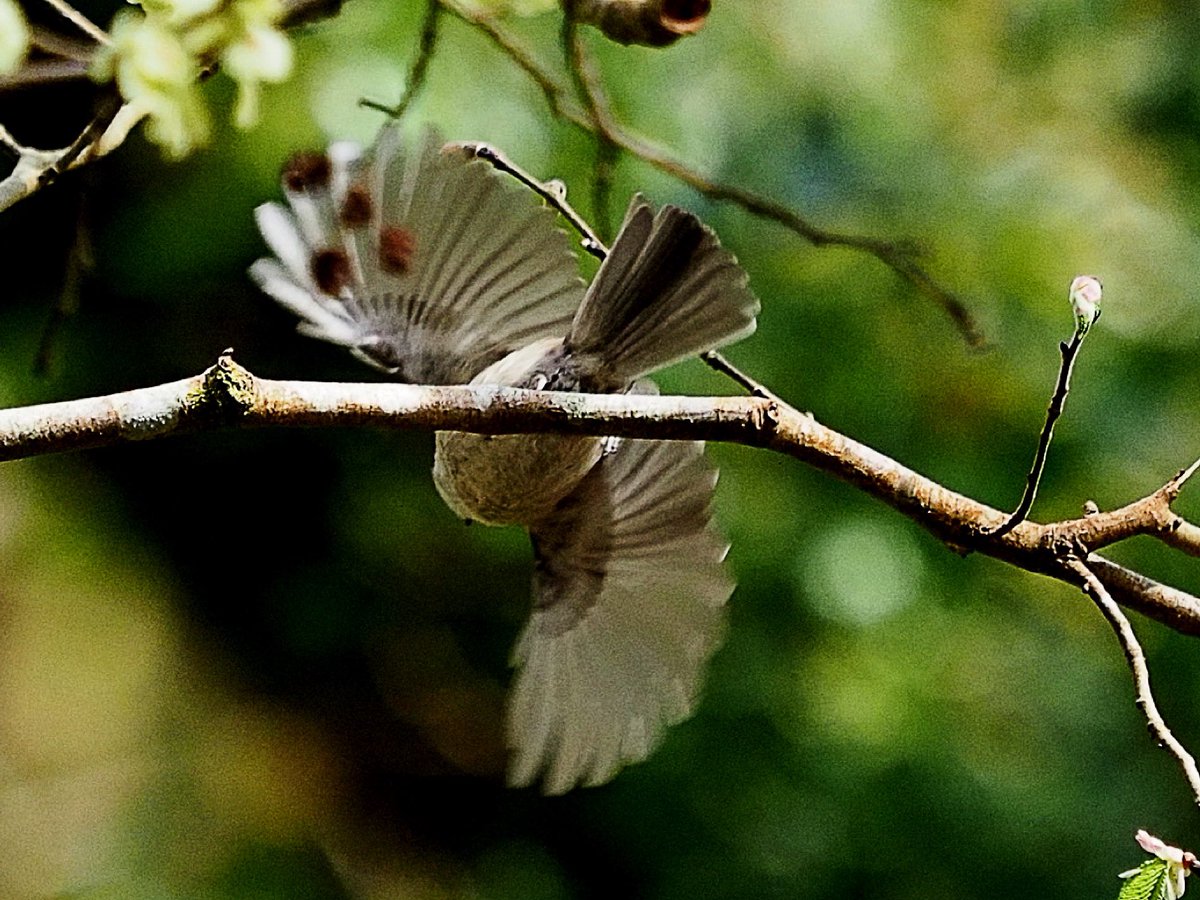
272 665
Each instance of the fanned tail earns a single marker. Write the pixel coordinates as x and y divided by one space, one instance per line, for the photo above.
666 291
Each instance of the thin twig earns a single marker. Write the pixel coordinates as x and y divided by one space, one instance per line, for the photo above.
1136 659
36 168
595 104
108 104
900 256
61 45
79 262
80 21
44 71
1069 350
418 70
556 196
719 362
554 193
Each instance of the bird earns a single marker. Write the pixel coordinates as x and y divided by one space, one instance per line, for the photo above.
425 263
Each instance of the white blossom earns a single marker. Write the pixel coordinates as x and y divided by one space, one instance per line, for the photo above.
14 36
156 58
1179 862
263 54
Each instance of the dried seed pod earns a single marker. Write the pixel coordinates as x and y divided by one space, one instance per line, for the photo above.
654 23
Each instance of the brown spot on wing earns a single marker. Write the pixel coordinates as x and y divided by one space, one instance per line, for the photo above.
307 169
356 207
397 246
331 270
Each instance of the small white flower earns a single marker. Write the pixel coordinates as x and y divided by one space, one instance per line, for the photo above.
262 54
1179 862
179 11
154 69
1085 295
14 36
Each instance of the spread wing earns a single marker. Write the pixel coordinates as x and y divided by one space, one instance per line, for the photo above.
424 263
629 590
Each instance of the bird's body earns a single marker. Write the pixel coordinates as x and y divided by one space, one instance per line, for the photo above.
427 267
512 479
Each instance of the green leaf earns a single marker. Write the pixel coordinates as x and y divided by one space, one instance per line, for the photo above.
1152 882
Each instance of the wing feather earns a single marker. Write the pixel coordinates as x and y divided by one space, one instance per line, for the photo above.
443 269
629 593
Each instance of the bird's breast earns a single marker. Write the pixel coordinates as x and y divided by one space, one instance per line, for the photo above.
510 479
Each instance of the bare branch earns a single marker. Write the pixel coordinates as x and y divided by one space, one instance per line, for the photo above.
552 192
1174 608
67 47
1151 515
36 168
900 256
595 104
1182 536
44 71
1092 586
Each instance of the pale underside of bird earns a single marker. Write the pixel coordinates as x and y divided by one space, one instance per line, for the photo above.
427 264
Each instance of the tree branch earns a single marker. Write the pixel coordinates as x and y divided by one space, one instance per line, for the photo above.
80 21
36 168
900 256
229 396
595 104
1136 659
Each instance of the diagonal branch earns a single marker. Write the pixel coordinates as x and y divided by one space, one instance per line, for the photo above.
555 195
1136 659
900 256
80 21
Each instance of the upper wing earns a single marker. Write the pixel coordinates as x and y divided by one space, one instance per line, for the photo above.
629 590
424 263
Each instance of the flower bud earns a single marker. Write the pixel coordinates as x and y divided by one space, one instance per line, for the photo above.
1085 294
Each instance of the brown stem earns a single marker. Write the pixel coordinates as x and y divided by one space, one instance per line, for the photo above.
900 256
1136 659
1058 400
